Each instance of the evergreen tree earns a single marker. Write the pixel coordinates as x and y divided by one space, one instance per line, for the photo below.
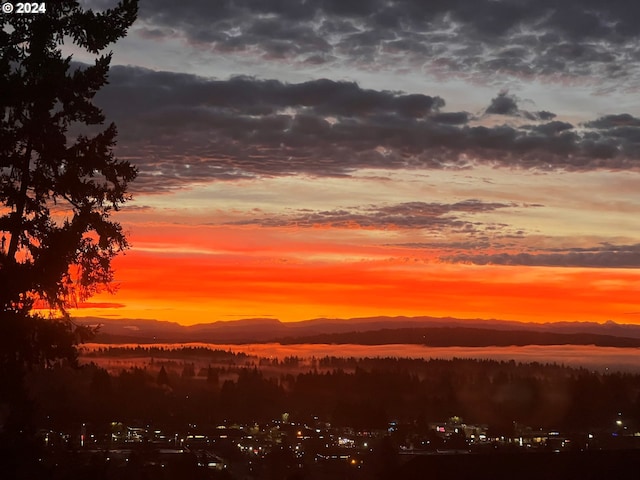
57 192
163 377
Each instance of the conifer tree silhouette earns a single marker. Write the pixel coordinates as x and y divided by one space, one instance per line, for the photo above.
59 184
57 192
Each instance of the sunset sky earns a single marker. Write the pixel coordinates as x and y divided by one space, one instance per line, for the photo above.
347 158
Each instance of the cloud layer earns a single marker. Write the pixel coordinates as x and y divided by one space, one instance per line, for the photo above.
181 128
605 256
409 215
579 39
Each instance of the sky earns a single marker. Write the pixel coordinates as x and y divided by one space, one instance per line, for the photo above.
321 158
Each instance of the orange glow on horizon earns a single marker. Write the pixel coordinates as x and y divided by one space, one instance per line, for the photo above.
288 284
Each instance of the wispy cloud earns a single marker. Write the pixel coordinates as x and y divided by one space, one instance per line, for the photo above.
605 256
409 215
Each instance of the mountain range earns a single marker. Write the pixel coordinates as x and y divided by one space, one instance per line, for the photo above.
436 331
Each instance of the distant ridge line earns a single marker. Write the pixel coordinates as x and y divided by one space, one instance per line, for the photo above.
252 330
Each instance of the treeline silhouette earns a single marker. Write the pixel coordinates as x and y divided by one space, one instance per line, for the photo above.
361 393
212 354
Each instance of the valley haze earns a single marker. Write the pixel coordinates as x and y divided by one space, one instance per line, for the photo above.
603 347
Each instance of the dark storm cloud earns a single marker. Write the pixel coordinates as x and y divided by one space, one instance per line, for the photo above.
544 115
452 118
410 215
578 38
505 104
181 129
247 95
605 256
550 128
615 121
